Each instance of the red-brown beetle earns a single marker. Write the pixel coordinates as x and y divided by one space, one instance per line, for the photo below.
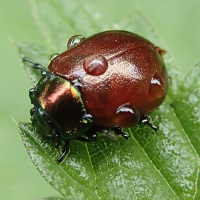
109 80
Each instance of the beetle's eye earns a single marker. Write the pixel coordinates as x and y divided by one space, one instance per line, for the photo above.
157 86
95 65
75 40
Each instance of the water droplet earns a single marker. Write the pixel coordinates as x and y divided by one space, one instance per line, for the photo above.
156 89
53 56
95 65
75 40
126 115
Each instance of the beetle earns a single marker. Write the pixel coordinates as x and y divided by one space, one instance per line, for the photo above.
108 81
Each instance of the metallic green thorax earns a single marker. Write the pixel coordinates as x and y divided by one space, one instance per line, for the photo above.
58 109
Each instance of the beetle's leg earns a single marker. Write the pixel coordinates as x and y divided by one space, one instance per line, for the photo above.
91 135
89 139
147 120
57 139
83 139
118 131
92 132
65 150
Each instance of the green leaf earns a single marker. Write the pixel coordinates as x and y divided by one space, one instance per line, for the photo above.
61 20
150 165
52 198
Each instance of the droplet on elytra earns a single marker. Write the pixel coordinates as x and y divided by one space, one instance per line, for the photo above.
157 86
95 65
126 115
75 40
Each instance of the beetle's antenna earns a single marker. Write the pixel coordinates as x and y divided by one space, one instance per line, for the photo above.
34 64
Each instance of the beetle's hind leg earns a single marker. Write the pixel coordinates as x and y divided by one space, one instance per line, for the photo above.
118 131
147 120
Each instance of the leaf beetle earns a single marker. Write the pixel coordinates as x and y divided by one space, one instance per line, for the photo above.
108 81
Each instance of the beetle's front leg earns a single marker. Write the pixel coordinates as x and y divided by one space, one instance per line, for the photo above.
65 150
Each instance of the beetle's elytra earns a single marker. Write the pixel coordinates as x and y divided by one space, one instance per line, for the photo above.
109 80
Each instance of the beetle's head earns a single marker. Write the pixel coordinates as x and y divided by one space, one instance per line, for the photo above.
58 111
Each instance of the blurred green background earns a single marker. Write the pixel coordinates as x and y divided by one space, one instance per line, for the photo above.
177 21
